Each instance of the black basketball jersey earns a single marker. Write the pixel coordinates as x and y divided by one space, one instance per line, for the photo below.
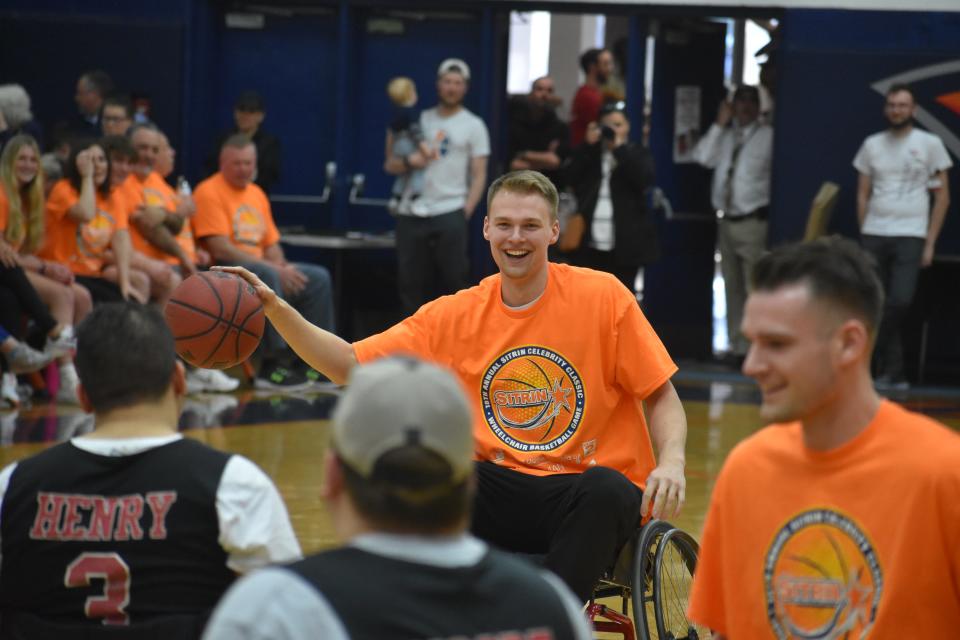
103 540
379 597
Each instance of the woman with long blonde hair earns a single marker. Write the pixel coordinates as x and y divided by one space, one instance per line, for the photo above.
22 234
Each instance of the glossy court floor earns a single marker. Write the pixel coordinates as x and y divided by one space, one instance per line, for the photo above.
286 435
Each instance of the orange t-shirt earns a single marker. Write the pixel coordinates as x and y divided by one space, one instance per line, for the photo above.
860 541
242 215
153 191
80 246
555 386
4 218
130 189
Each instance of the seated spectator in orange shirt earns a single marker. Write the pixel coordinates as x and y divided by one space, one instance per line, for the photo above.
185 206
153 218
85 219
62 302
236 225
122 155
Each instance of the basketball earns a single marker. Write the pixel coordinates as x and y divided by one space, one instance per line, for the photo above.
216 319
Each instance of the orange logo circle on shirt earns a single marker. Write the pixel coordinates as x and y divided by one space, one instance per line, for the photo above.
94 237
532 399
822 578
154 198
248 226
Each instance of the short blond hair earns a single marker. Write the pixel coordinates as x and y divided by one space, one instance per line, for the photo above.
526 182
402 91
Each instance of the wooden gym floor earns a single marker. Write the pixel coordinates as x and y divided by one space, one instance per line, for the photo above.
286 436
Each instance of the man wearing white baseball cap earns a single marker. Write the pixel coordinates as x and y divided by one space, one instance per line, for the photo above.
398 484
432 237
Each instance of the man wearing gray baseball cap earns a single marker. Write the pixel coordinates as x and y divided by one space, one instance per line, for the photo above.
398 485
432 236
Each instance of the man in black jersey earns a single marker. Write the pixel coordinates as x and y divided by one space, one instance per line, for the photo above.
398 484
130 531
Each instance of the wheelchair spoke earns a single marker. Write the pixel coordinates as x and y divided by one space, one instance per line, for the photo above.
676 602
673 579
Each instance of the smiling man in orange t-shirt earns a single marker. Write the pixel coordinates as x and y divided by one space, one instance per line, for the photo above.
841 519
557 361
235 224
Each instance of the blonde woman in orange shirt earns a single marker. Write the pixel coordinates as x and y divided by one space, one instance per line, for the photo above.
22 229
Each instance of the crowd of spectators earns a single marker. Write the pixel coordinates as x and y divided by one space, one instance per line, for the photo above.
95 219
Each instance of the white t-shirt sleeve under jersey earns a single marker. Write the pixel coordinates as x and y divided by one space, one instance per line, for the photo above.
255 528
274 604
5 482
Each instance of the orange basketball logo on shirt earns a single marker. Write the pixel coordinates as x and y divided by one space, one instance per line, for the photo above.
94 237
532 399
154 198
248 226
822 578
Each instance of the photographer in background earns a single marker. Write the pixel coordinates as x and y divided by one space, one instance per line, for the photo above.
614 230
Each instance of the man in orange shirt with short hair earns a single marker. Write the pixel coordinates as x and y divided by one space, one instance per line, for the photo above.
185 208
841 518
234 222
156 217
559 361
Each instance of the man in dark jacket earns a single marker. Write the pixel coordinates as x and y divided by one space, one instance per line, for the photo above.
538 139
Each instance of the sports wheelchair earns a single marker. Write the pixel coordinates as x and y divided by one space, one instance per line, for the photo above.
652 575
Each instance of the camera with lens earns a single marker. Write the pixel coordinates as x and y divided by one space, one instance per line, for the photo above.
607 132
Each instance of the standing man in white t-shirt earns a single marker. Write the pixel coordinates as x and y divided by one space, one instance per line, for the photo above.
898 169
432 238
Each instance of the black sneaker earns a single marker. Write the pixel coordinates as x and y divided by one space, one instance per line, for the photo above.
281 379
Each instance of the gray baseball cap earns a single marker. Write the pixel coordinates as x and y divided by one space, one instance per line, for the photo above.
455 65
399 401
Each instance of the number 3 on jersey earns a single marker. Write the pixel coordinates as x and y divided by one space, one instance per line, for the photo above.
115 574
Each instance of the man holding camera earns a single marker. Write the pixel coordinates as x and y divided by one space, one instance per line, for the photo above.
739 148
